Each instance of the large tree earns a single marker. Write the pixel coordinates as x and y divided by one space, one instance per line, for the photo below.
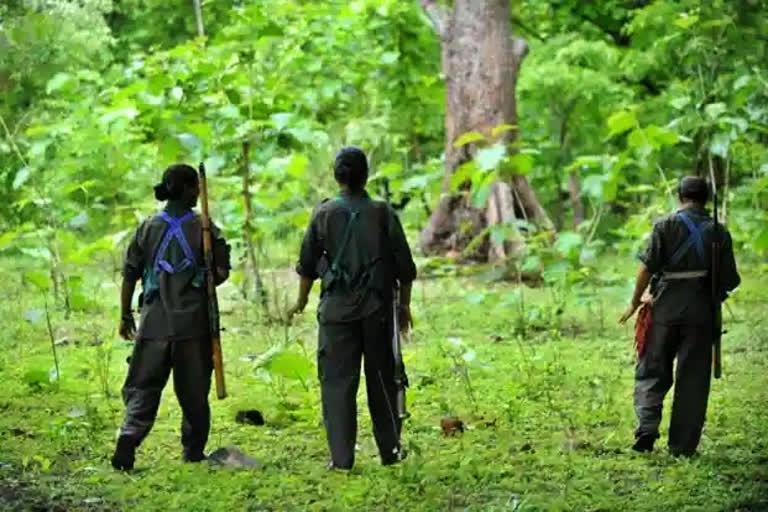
480 60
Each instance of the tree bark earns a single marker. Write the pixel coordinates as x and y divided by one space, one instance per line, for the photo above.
480 63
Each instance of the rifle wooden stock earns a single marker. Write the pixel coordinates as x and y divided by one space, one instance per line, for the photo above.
210 279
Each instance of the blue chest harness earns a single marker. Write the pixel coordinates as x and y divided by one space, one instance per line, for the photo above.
695 239
160 264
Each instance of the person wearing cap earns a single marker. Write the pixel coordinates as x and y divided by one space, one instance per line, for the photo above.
166 254
677 265
358 249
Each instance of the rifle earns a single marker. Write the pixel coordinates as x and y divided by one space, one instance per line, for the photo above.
401 380
213 303
717 313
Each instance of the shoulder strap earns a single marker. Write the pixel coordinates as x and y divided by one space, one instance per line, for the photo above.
353 215
694 240
174 230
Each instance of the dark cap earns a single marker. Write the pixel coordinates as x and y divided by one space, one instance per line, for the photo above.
693 188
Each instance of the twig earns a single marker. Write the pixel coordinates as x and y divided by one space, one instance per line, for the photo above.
666 184
50 335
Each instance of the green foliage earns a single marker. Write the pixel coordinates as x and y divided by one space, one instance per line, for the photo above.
548 428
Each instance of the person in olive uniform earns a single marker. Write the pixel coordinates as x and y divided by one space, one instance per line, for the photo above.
358 248
677 265
166 255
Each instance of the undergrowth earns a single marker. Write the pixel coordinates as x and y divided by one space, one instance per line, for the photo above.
541 379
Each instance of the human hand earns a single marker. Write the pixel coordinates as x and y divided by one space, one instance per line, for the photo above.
127 328
301 303
629 312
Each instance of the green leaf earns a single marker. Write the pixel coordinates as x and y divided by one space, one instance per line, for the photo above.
389 57
719 144
7 238
715 110
214 163
290 366
522 163
621 122
58 81
488 159
739 122
483 190
281 119
680 102
38 278
79 220
190 142
33 315
742 82
118 113
686 21
568 242
659 137
297 166
22 175
468 138
760 242
475 297
502 128
36 379
464 173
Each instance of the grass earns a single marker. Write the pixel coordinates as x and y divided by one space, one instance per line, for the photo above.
541 377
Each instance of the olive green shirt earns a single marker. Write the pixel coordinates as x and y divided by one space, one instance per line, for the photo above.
688 301
179 309
376 242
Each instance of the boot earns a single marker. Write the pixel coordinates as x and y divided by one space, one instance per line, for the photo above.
398 455
192 456
644 443
125 454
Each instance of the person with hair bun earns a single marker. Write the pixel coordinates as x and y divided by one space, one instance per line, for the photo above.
357 247
678 264
166 254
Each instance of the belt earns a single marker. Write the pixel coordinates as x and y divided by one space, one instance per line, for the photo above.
690 274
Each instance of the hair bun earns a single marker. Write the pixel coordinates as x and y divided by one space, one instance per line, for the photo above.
161 192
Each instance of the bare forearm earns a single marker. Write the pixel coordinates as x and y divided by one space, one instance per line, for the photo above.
641 283
126 296
305 286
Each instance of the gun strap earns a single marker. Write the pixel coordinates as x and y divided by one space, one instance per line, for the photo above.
353 215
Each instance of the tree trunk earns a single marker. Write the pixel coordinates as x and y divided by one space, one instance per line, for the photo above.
259 292
574 187
480 63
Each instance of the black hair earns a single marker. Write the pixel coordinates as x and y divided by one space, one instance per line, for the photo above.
693 188
175 179
351 168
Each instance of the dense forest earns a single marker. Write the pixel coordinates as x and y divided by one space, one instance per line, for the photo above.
527 146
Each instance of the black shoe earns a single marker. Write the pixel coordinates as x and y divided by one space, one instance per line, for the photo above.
644 443
400 455
125 455
192 457
333 467
682 453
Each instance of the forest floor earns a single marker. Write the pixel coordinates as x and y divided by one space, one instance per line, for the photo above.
541 377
